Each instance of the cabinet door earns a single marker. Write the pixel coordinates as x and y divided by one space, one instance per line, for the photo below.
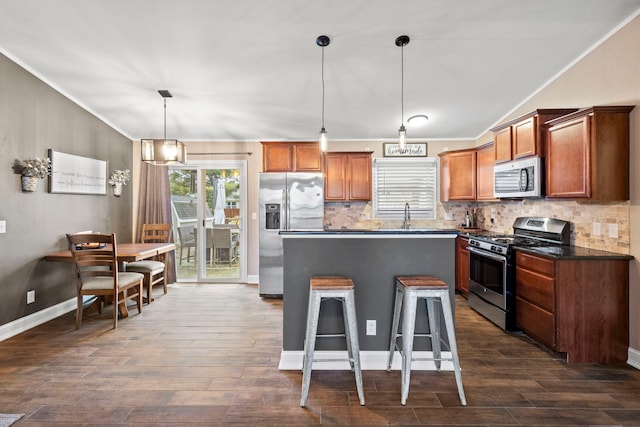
308 158
525 138
359 176
502 141
568 159
277 157
462 265
462 175
335 185
536 321
484 175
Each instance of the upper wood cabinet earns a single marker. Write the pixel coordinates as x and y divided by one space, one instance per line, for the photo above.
347 176
458 175
588 154
524 136
485 155
291 157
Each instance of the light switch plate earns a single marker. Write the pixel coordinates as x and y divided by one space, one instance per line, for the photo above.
371 327
613 231
596 229
3 226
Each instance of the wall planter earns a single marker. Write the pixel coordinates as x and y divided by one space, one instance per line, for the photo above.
29 184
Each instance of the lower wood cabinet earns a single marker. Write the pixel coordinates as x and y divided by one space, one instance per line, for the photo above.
462 265
575 306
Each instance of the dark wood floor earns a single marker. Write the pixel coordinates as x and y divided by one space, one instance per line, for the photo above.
208 355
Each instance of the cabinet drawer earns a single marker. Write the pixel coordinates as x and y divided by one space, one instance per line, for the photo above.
536 321
535 263
535 288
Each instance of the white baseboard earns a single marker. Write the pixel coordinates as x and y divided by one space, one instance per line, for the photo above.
634 358
369 360
25 323
252 279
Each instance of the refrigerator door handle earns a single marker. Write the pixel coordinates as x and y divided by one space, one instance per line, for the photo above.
285 210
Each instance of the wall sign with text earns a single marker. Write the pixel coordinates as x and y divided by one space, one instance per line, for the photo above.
410 150
76 174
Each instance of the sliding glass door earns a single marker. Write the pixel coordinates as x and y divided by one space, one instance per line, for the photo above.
209 216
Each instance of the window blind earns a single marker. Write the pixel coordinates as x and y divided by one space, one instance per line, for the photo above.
400 181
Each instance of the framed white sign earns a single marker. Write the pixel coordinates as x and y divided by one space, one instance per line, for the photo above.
73 174
410 150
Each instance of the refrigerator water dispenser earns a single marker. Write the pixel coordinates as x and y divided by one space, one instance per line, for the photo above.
272 212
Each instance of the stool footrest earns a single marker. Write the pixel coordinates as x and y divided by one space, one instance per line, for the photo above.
331 335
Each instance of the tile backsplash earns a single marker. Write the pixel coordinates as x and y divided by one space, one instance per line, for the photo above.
613 219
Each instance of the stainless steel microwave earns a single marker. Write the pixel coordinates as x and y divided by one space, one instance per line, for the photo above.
518 178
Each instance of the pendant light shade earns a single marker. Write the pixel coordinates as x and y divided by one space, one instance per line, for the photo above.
323 41
163 151
401 42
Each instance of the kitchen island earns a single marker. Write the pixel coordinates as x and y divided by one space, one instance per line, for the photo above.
371 259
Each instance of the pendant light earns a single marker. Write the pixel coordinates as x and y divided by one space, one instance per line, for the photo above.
164 151
401 42
323 41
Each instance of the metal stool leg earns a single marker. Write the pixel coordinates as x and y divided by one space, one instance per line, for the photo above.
433 312
309 344
352 326
448 320
394 325
347 331
408 328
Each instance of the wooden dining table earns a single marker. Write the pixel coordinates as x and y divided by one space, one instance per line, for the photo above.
127 252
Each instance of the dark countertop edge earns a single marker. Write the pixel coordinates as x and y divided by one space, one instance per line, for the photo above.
579 252
369 232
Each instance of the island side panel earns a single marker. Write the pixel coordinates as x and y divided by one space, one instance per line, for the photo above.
372 263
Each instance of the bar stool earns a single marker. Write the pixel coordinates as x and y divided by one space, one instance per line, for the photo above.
408 290
341 289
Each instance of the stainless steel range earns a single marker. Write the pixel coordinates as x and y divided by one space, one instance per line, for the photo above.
492 270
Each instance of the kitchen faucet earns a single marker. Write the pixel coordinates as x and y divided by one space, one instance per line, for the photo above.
407 216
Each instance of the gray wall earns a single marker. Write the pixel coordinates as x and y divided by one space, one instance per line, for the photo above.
34 118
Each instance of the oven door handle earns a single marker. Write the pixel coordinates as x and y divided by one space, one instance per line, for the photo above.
487 254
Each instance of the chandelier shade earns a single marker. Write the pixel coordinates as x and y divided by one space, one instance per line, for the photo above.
163 151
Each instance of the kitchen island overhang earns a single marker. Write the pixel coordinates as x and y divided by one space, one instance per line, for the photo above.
372 259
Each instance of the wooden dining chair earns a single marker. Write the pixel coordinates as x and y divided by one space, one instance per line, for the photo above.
153 269
96 262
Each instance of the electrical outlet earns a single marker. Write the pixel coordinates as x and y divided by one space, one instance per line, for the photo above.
3 226
613 231
371 327
596 229
254 216
31 297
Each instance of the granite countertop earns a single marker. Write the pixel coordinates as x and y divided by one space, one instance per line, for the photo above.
573 252
342 231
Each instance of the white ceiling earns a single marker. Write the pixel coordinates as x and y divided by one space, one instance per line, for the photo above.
250 69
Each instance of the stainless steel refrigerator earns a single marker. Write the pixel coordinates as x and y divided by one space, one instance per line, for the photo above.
288 201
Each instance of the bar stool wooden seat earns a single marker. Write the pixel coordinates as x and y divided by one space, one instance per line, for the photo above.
340 288
409 289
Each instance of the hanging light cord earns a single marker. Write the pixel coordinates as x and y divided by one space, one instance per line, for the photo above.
165 119
402 85
322 87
